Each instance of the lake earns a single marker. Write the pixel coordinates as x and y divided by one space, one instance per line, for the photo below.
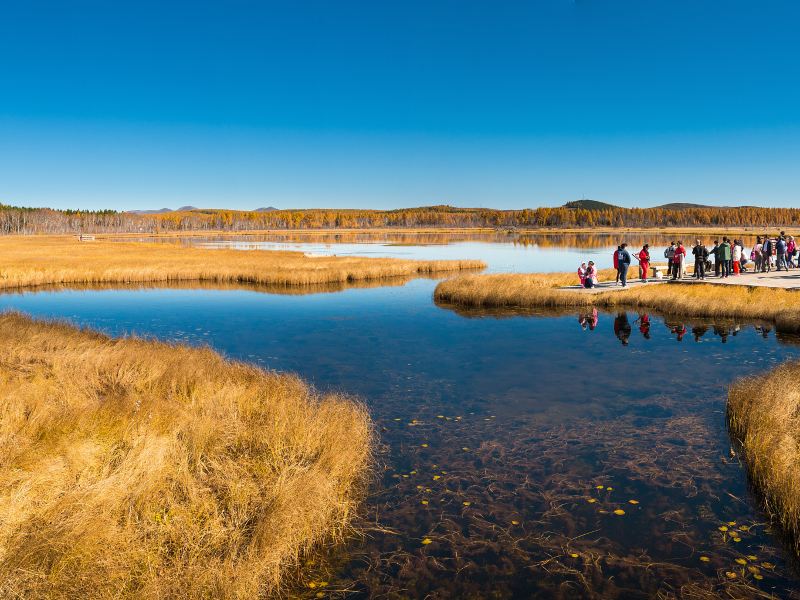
521 454
503 251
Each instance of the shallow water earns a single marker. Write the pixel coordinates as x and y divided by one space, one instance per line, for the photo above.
502 251
497 431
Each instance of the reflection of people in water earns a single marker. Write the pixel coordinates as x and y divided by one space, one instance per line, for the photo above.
622 328
588 320
644 325
679 331
699 331
722 332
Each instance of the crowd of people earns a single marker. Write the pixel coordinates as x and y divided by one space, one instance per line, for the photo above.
730 259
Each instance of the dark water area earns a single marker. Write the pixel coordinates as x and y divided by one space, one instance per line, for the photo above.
521 455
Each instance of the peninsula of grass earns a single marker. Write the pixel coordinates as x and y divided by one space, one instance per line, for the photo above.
27 261
533 291
764 415
138 469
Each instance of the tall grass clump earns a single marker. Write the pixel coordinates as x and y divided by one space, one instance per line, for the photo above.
53 260
133 468
699 300
764 415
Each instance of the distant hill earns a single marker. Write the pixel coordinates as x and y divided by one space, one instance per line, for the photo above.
683 206
157 211
590 205
265 209
186 208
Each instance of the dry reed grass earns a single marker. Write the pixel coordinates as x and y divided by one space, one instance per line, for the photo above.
133 468
46 260
541 291
764 415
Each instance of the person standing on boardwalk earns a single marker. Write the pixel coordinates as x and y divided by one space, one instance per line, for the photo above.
623 262
780 251
669 254
616 262
757 254
737 257
677 261
644 262
700 255
713 252
582 274
766 252
724 256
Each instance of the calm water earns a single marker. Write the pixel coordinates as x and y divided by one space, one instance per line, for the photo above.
507 440
503 252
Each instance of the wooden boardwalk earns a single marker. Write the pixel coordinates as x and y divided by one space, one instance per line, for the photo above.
787 280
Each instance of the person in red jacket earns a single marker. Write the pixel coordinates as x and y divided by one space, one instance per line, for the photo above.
616 262
644 262
677 260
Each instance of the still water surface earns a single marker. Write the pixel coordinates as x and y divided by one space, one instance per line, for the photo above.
507 441
502 251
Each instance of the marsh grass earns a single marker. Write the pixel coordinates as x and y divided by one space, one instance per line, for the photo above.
49 260
531 291
134 468
764 415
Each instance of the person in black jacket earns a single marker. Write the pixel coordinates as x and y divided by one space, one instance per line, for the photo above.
700 255
714 252
623 261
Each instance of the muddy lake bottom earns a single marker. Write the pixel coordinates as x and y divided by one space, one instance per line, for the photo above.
520 455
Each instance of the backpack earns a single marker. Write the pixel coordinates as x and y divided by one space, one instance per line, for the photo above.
669 252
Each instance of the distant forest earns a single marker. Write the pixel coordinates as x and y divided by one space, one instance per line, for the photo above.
580 214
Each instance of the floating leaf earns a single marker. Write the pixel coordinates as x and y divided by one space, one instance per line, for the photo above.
425 502
705 559
757 576
465 503
465 449
619 511
424 445
741 561
427 541
737 539
752 557
574 555
633 502
730 574
767 565
723 528
610 489
600 487
731 523
592 500
515 522
437 477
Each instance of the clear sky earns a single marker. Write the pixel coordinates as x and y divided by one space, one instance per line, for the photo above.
383 104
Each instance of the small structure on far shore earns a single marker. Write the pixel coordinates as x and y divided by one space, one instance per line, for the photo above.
85 237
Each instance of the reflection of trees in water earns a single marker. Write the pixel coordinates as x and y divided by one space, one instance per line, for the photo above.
541 240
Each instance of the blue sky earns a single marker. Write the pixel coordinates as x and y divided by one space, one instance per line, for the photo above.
386 104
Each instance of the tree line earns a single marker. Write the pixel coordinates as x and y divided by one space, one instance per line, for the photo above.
19 220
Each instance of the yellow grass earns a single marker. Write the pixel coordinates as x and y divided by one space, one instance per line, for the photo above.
133 468
47 260
764 414
541 291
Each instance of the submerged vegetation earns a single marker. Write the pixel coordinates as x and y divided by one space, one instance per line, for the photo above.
764 415
780 306
52 260
133 468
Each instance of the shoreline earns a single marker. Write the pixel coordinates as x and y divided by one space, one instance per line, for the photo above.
142 446
530 291
34 261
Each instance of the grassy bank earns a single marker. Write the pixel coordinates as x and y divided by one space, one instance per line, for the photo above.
47 260
133 468
542 291
764 414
